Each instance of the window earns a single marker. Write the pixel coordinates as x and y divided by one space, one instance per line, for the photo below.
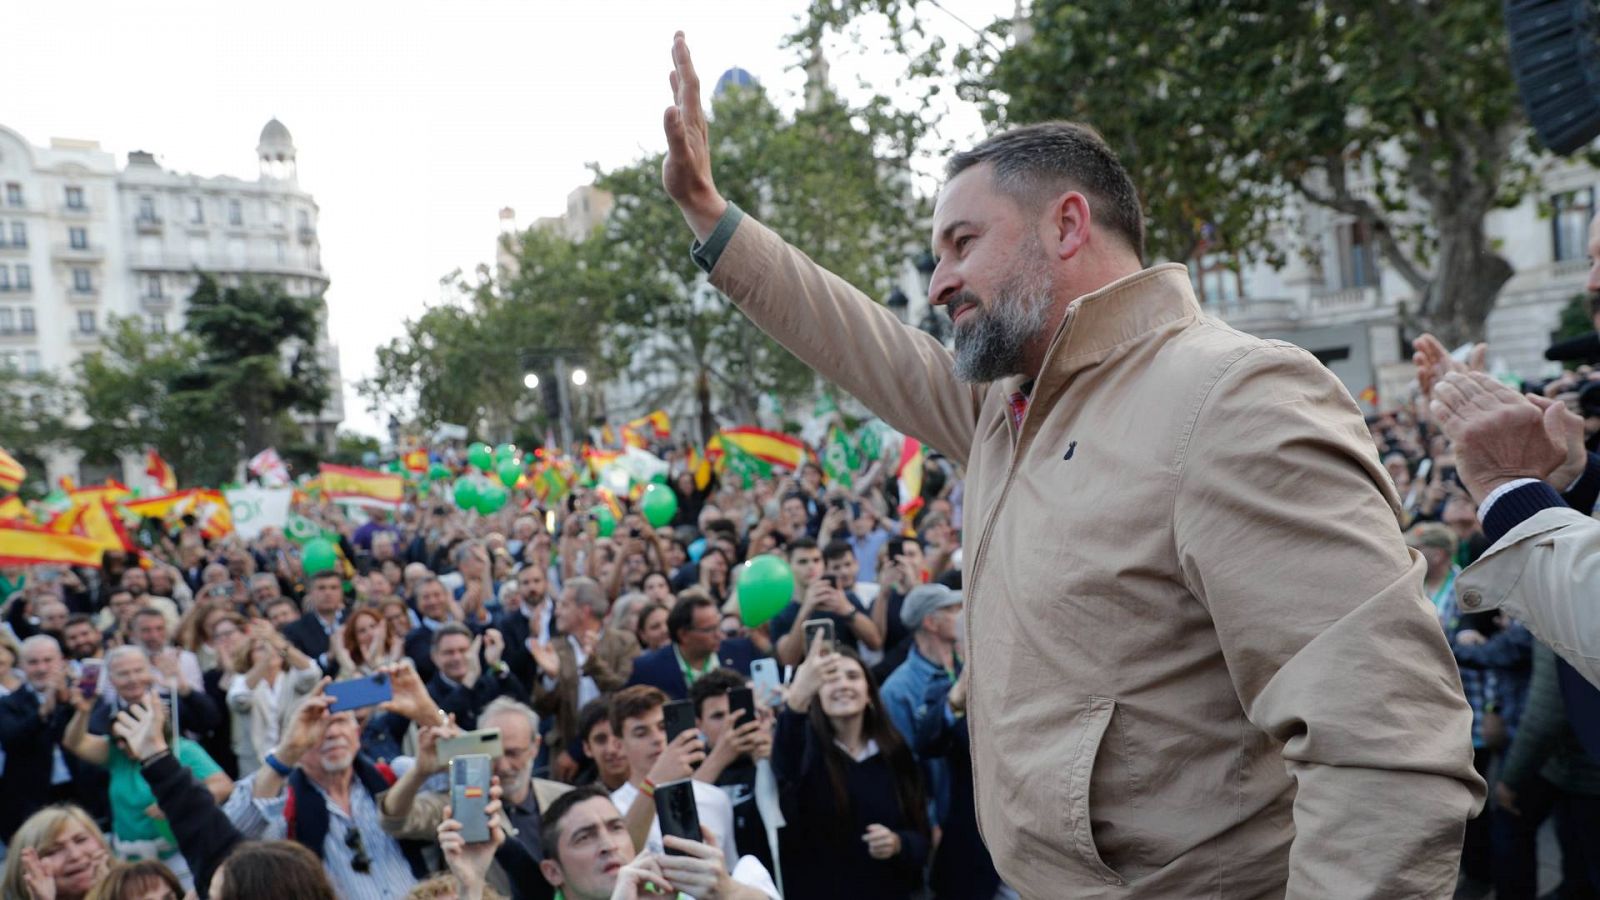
86 321
1215 280
81 282
25 319
5 279
275 213
235 212
13 194
147 209
152 286
30 363
158 323
24 277
197 210
79 238
282 248
19 234
75 198
1357 266
8 324
302 218
1569 223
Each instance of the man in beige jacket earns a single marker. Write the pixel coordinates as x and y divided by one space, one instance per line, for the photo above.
1202 664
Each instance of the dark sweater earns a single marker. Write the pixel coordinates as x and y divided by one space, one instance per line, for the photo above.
205 834
823 853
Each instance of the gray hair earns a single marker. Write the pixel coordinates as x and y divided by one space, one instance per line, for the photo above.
41 640
1038 162
125 650
626 606
588 592
506 706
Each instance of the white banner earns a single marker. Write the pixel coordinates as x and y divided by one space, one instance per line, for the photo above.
256 508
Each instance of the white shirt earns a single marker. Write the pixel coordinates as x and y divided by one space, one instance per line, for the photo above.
716 818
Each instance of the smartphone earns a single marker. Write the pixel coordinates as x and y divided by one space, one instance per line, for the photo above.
676 812
825 626
764 672
483 742
741 699
831 581
680 718
89 676
354 693
469 795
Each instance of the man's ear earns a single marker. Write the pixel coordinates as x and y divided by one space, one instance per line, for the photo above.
552 872
1070 219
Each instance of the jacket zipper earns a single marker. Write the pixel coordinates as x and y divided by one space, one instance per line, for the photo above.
971 590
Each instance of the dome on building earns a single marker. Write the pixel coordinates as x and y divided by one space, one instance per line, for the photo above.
734 77
275 137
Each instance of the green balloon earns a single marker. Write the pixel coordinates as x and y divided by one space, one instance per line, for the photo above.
658 478
491 498
319 555
466 492
766 585
604 518
509 471
659 504
422 488
480 455
504 452
438 472
393 466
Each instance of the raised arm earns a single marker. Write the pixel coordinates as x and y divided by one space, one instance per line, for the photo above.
901 373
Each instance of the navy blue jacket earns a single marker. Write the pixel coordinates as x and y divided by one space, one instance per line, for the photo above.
659 668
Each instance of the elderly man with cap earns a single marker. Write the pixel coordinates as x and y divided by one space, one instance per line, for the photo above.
932 613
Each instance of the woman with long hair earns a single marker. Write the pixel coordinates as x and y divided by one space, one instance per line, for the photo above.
367 641
271 870
652 629
851 791
58 852
714 569
143 880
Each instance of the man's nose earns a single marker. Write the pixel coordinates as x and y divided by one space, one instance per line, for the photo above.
945 284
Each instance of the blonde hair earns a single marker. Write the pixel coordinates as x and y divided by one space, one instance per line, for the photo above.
40 830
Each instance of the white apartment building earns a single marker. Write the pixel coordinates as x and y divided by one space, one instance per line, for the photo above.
1344 305
83 242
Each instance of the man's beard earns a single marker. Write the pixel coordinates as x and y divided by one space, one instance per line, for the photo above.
990 346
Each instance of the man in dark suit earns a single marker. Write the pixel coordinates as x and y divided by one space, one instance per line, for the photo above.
532 618
697 648
312 633
33 720
435 609
464 683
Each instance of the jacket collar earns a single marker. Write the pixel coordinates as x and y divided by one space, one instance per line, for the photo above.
1122 311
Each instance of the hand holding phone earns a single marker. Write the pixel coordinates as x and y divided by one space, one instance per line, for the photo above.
679 716
824 627
356 693
469 795
677 813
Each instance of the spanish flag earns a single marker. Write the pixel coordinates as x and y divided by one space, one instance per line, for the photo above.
771 447
610 500
113 491
417 460
909 473
12 509
157 469
209 508
362 485
11 473
700 467
657 425
599 459
101 523
26 545
1369 395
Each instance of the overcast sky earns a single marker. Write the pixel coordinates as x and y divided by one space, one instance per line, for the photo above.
415 122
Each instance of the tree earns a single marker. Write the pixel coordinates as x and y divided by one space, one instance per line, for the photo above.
219 391
630 300
34 411
831 179
1402 115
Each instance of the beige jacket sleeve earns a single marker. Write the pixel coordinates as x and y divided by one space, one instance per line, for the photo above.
1543 572
421 823
1286 528
899 372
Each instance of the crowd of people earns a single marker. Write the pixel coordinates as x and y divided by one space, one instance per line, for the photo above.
166 716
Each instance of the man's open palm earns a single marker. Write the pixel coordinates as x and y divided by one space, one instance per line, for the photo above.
686 169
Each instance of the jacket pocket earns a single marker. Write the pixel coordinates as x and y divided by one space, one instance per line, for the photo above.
1080 832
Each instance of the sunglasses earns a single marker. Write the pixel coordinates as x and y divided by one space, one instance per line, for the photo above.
360 862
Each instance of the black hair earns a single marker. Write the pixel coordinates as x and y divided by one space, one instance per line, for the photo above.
803 542
550 821
715 683
836 550
682 614
593 713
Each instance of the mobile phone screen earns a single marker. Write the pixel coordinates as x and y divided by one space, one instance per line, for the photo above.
741 699
676 812
679 715
355 693
469 795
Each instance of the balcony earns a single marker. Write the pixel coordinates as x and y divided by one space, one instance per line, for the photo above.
87 253
147 224
14 248
88 295
1346 299
156 302
15 335
1258 315
308 234
81 211
82 338
255 264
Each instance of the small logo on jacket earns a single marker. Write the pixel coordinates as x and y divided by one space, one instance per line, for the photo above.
1071 448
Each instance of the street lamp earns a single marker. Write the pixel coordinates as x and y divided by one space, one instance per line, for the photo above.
530 380
580 377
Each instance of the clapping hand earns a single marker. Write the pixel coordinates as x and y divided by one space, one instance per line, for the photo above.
1434 362
140 728
1501 435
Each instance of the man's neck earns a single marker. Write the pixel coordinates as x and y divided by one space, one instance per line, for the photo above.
525 795
694 661
335 785
935 650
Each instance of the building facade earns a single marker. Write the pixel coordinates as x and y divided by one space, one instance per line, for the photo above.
84 243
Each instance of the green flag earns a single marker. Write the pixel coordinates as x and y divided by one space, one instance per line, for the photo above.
301 529
839 458
748 468
870 440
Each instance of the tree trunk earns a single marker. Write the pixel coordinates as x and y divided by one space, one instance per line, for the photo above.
1467 279
702 400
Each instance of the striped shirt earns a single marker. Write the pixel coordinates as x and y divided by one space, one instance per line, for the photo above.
387 878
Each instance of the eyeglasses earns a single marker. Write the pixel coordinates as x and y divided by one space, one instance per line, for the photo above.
360 862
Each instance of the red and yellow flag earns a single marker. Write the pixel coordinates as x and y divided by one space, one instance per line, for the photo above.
374 488
12 509
771 447
11 473
599 459
209 508
417 460
700 467
656 425
159 471
610 500
1369 395
26 545
909 473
